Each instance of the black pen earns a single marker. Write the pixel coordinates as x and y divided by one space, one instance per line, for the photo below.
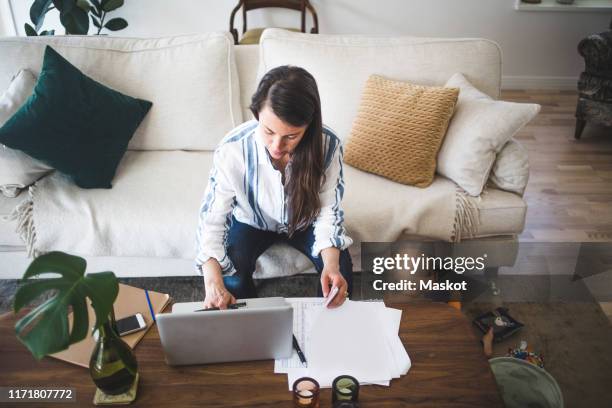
297 348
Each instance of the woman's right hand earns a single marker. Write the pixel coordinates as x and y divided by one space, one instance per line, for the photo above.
217 294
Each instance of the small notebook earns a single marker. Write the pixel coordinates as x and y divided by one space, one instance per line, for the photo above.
130 300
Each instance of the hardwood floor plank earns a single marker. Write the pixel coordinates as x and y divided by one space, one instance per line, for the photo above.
569 194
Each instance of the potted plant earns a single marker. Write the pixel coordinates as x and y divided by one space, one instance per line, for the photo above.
45 329
75 16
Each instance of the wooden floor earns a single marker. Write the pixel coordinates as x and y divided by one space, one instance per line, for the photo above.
569 194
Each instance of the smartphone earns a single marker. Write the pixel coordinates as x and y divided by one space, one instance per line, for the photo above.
131 324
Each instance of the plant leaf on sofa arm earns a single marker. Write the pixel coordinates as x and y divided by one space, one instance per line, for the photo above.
45 329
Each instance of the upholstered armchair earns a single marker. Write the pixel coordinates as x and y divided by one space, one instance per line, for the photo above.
595 83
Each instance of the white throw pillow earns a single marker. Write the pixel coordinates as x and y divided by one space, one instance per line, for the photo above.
478 130
17 169
511 168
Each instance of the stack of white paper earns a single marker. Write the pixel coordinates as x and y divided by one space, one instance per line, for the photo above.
359 339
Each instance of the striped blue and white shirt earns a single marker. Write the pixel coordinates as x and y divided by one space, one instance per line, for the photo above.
244 183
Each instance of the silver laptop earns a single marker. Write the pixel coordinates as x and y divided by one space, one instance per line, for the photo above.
259 329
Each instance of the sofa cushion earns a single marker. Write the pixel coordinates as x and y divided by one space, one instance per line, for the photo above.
478 131
500 213
510 171
150 211
341 65
74 124
191 80
17 169
377 209
145 215
161 218
247 61
398 130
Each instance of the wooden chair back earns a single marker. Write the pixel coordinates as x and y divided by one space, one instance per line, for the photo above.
299 5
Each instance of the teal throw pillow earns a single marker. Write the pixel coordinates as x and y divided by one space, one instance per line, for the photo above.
74 124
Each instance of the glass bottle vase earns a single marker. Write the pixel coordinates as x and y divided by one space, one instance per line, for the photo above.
113 366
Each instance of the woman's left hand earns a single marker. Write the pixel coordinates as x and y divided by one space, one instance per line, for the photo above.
331 277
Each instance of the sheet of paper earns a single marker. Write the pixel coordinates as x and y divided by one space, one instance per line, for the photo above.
392 319
307 312
301 329
349 340
399 351
401 356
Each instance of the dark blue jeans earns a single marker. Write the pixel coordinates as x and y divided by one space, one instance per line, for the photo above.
245 244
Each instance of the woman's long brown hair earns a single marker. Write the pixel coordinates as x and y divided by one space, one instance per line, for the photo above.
292 94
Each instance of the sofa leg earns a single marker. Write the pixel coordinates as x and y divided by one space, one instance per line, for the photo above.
580 123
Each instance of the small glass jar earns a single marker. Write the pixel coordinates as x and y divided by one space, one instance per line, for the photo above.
306 393
345 388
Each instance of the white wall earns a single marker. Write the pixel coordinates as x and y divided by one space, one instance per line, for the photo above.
6 19
539 48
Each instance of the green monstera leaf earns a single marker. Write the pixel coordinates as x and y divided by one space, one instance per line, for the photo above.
45 329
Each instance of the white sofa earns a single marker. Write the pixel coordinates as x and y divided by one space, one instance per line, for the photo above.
201 86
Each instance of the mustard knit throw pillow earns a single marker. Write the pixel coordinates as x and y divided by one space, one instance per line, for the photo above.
399 129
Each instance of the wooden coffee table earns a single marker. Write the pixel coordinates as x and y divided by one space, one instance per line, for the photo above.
448 370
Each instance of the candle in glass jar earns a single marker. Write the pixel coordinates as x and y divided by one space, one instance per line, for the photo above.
345 388
306 393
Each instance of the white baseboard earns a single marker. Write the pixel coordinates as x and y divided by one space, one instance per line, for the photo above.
539 82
